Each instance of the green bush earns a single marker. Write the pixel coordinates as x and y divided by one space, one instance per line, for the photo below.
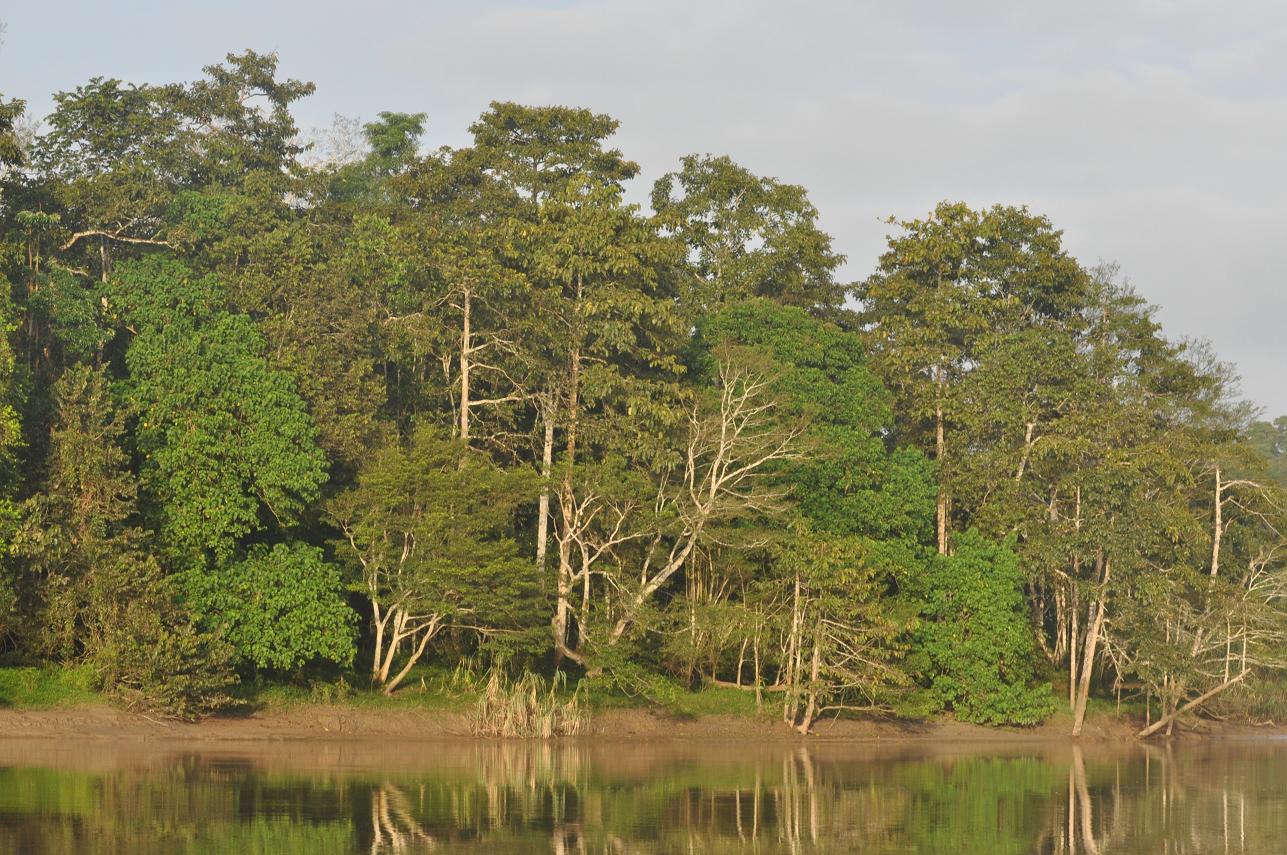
144 646
980 651
172 668
280 608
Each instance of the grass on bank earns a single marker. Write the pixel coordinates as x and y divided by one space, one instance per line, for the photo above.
435 687
528 706
671 697
429 688
24 685
45 687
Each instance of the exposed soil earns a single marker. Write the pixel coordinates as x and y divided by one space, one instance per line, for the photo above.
329 739
335 722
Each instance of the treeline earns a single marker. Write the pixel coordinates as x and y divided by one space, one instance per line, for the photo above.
267 414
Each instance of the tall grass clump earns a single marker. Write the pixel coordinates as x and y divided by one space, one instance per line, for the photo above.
528 707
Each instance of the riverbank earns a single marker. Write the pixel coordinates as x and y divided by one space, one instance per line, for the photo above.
342 722
60 704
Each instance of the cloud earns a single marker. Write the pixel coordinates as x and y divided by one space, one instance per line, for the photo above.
1152 131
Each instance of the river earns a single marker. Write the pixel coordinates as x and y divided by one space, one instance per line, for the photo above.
679 796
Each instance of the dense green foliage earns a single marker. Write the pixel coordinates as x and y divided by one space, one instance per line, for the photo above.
268 415
227 443
426 531
280 608
976 636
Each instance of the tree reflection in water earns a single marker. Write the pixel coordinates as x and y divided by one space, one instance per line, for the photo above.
598 797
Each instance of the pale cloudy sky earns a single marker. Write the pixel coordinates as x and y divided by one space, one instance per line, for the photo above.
1154 132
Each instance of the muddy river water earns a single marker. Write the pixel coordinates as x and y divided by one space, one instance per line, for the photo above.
601 796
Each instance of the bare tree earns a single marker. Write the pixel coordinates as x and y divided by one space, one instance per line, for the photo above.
731 442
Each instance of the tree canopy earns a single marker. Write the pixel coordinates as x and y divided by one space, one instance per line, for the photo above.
276 416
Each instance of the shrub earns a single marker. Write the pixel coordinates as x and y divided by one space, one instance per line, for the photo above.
980 649
172 668
280 608
144 646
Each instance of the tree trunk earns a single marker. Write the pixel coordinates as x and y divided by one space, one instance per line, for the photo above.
466 348
1073 642
1217 532
940 459
382 676
566 498
566 512
562 606
1166 720
1074 607
759 683
378 624
669 569
811 706
1061 623
792 657
1027 451
543 504
429 632
1095 624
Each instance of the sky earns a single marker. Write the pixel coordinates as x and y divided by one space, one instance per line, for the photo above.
1153 132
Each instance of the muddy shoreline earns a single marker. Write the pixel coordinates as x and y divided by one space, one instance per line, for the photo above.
331 740
339 723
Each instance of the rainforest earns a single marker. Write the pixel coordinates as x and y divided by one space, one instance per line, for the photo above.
500 424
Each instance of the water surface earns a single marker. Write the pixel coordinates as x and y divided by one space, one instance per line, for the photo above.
636 797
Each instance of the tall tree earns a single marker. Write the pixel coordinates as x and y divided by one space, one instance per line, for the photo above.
80 524
539 150
474 306
540 154
610 359
944 285
858 515
113 160
426 528
95 591
1270 440
748 236
1102 503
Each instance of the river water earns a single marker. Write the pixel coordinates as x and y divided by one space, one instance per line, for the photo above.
636 797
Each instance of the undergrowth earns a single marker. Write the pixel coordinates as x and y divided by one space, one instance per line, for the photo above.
528 706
